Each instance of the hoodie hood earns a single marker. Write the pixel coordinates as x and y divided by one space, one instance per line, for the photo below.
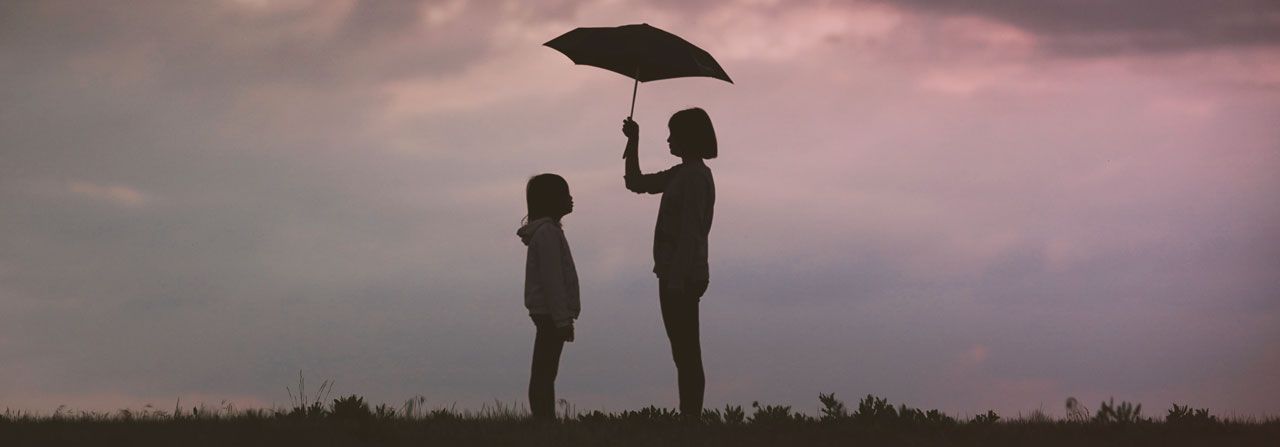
526 232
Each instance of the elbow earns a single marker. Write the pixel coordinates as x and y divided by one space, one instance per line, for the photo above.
633 185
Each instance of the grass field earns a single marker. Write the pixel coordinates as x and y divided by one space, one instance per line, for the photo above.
350 421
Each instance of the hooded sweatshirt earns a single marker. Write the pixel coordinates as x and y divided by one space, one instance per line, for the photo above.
550 280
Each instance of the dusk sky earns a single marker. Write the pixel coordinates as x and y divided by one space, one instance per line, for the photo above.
992 204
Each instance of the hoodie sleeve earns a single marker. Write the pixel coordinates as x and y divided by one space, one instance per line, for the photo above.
648 183
547 242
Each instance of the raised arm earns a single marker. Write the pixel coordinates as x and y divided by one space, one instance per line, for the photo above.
636 181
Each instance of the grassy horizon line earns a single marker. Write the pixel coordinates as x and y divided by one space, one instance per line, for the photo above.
870 410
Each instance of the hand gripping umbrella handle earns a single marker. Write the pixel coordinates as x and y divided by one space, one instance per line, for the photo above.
634 87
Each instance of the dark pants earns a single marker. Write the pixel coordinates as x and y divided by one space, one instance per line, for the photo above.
547 345
680 316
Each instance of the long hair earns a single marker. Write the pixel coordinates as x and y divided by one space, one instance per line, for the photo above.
546 195
694 127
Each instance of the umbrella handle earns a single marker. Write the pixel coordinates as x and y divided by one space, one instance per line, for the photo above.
633 94
634 87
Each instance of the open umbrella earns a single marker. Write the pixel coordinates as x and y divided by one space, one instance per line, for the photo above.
640 52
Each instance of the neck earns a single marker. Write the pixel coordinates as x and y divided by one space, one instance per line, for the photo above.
691 160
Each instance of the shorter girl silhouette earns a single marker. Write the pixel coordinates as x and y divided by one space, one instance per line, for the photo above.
550 286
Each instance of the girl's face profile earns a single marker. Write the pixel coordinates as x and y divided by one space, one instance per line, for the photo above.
673 142
548 196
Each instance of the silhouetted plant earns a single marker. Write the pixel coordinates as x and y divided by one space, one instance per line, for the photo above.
832 409
1076 412
350 408
774 414
712 417
1125 413
444 415
414 407
655 414
652 414
935 417
1185 415
985 419
909 415
309 407
595 417
384 412
733 415
499 411
567 410
874 410
225 409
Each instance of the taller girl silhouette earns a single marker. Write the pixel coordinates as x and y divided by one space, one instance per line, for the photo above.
680 238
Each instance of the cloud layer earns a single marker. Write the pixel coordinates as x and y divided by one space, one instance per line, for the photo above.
987 206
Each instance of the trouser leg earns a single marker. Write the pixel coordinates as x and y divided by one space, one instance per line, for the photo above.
680 317
546 364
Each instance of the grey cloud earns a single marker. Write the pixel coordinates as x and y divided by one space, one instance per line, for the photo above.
214 49
1104 27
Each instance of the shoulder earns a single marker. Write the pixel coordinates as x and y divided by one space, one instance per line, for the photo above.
545 231
670 172
696 172
548 230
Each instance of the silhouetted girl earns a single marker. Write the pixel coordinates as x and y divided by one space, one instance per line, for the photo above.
680 238
550 286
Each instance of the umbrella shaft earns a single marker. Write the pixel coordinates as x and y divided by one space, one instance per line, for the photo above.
633 95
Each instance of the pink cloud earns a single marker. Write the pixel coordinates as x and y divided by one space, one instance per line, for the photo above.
115 194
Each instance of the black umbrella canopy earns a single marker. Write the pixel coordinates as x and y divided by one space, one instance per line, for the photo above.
641 52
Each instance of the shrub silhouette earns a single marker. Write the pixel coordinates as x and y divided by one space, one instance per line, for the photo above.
909 415
733 415
712 417
350 408
384 412
1125 413
1185 415
832 409
651 414
875 410
774 414
596 417
985 419
307 407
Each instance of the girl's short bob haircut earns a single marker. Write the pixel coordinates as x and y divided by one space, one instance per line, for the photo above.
694 128
546 195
